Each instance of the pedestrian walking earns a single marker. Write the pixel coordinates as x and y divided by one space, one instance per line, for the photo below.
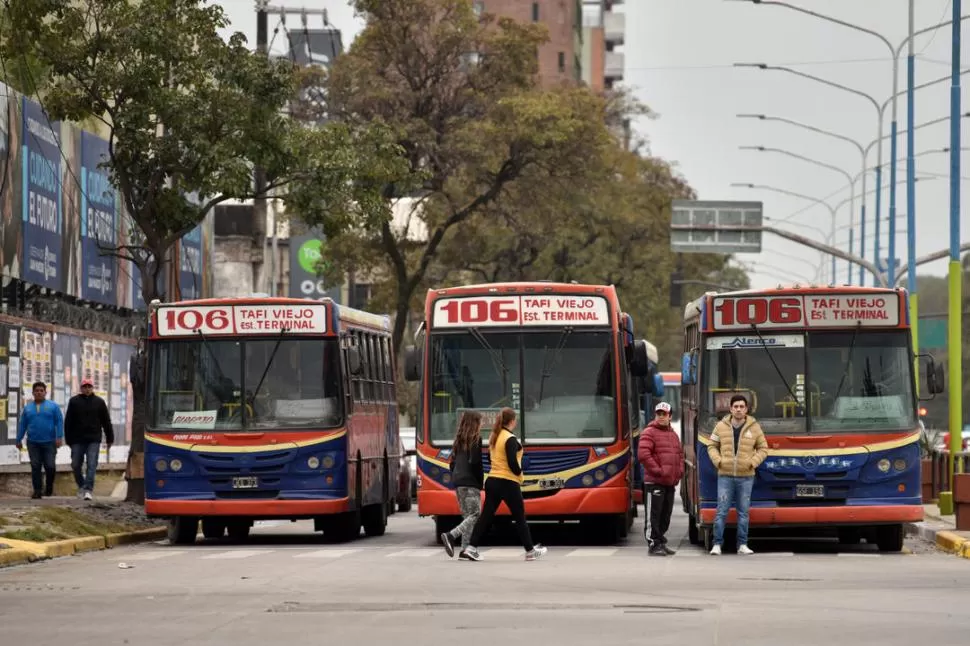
42 423
468 476
87 417
737 448
662 457
504 484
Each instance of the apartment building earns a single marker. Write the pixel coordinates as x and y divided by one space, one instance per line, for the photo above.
604 31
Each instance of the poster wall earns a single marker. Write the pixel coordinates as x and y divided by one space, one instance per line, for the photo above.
42 198
99 223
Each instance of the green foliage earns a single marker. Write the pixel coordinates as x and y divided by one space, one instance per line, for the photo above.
186 112
460 93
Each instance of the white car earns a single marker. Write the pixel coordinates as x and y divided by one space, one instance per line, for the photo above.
408 444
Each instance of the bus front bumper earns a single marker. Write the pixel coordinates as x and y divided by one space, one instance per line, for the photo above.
565 503
840 515
247 508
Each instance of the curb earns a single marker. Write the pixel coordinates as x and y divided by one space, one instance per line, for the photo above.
28 552
953 543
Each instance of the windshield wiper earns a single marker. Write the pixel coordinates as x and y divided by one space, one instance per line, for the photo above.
547 363
848 362
269 362
764 344
215 359
493 354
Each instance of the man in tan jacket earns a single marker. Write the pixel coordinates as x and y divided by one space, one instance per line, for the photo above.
737 448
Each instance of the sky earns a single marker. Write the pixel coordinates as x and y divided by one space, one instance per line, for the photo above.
679 57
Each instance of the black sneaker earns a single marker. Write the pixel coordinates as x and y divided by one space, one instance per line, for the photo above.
446 541
470 554
657 550
668 551
35 496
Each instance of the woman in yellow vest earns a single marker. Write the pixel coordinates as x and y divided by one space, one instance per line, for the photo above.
503 484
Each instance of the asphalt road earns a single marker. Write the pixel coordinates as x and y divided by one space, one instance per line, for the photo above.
288 586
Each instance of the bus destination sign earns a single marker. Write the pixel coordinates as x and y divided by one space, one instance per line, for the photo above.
215 320
546 309
805 311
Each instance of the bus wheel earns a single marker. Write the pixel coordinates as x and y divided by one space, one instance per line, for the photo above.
889 538
708 538
405 504
213 528
182 530
238 530
692 534
343 528
375 519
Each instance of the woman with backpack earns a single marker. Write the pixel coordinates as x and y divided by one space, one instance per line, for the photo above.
468 475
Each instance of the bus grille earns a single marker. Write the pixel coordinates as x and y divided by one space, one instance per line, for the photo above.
542 462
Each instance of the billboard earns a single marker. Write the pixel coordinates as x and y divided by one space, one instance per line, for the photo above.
306 255
11 173
99 223
41 198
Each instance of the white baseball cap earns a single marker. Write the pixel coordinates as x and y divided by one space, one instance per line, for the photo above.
664 406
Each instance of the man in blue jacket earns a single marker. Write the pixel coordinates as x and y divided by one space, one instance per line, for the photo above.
43 424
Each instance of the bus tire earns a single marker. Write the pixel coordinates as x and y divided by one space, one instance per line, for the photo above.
692 534
405 504
375 519
238 530
182 530
707 538
889 538
213 528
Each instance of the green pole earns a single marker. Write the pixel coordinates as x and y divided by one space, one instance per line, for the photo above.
955 361
914 326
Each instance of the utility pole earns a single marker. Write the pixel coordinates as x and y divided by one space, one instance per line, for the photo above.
259 179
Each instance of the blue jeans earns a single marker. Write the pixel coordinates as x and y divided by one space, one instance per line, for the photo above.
736 491
80 451
42 455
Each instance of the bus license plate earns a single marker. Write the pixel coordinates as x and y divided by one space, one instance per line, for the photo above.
551 483
245 482
809 491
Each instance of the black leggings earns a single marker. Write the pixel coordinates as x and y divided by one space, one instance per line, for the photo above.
497 491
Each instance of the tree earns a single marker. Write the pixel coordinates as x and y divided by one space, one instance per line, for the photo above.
461 93
188 113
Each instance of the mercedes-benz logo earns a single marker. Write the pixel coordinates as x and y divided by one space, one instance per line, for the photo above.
810 461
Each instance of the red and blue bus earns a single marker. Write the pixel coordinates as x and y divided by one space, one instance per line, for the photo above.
565 358
270 408
830 375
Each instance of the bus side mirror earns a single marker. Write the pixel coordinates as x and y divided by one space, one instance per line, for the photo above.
412 364
934 376
688 369
353 361
639 362
658 385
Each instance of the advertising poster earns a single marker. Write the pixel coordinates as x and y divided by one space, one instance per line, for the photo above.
306 255
70 258
99 223
41 198
11 180
119 404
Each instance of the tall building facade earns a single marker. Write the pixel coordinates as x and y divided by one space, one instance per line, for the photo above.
604 30
559 58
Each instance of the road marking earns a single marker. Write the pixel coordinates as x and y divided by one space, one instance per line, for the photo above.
237 554
154 555
326 554
860 554
416 552
593 551
792 554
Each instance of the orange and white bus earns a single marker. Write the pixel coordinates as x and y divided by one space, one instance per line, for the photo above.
270 408
829 373
564 357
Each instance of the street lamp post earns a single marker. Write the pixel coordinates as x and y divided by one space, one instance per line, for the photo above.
815 162
793 194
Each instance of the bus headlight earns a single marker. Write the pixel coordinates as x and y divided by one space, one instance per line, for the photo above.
313 462
161 465
611 469
883 465
328 462
599 474
899 464
587 480
446 478
176 464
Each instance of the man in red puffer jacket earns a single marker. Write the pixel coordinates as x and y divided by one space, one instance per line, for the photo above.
662 458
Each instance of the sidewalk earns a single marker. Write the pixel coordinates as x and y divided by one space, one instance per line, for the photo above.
940 530
32 530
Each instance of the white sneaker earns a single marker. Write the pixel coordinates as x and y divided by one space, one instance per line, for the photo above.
716 550
88 496
744 549
538 551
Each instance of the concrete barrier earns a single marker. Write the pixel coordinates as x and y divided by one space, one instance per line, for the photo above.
22 552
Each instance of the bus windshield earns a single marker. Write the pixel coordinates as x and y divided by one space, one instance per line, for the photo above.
566 394
767 370
863 381
288 384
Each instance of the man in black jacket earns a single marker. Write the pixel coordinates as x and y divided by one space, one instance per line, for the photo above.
87 416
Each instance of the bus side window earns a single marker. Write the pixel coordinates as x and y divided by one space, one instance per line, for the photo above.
377 371
346 341
388 371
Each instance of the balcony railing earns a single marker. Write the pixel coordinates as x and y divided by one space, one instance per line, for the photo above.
614 27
